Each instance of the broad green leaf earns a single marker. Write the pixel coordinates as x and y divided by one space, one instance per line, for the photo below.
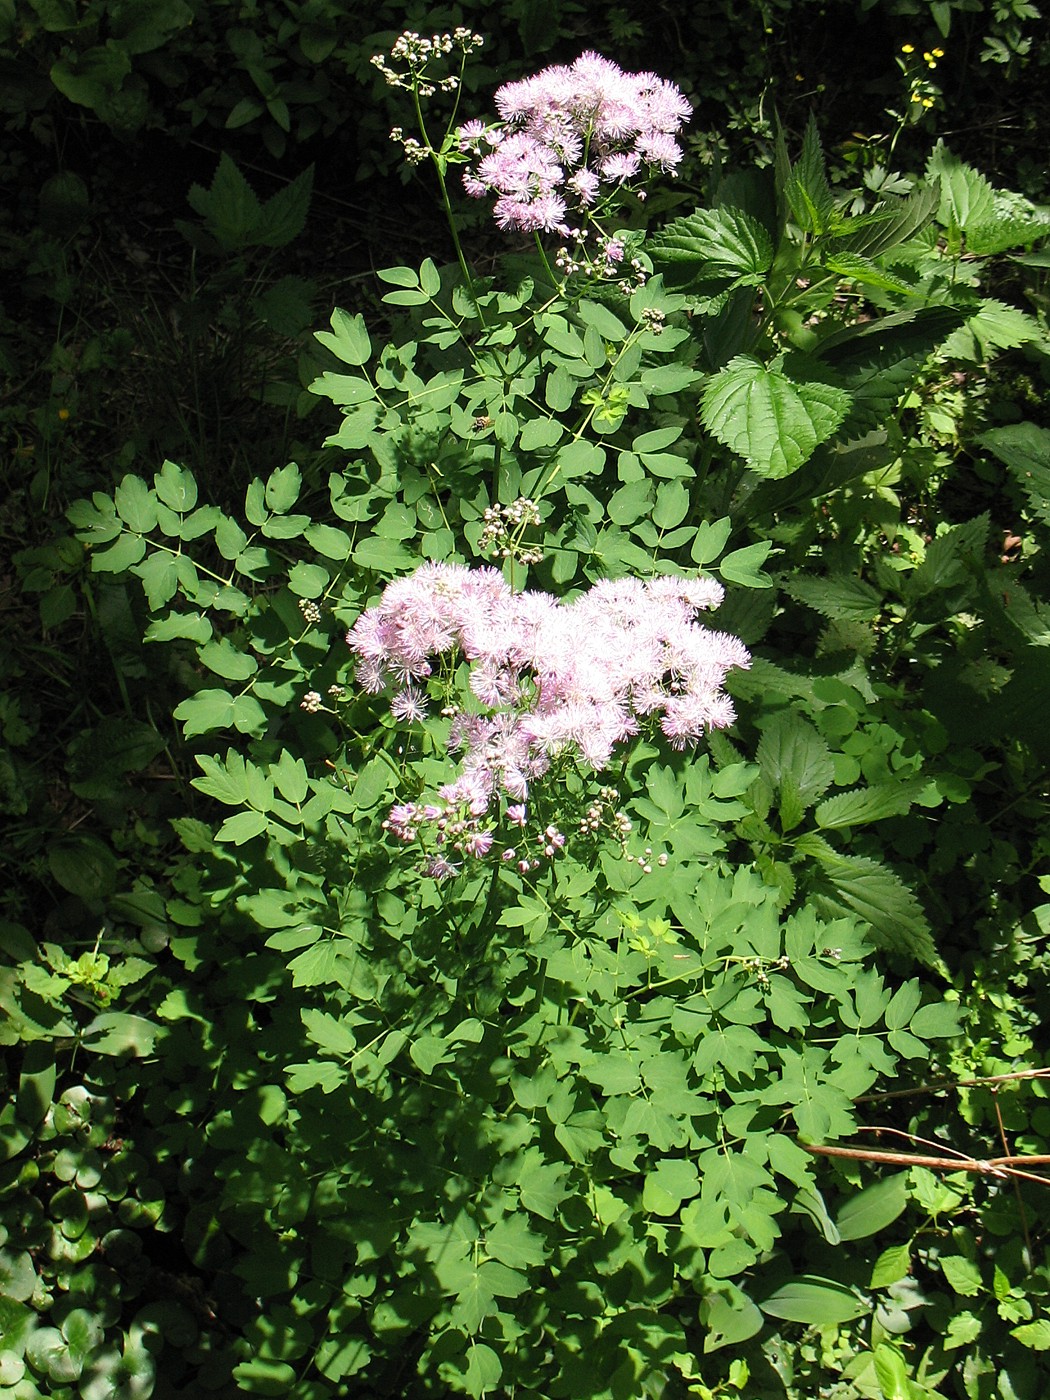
841 596
874 1208
892 1265
176 487
241 827
1033 1335
963 1275
772 420
864 887
730 1318
120 1033
791 752
205 711
1025 449
817 1302
936 1020
891 1371
710 539
723 242
966 197
870 804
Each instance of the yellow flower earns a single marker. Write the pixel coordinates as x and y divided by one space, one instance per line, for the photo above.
927 101
938 53
907 48
63 414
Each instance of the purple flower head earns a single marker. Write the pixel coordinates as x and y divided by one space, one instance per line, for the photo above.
554 679
568 129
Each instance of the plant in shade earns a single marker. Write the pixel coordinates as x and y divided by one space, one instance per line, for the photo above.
529 1117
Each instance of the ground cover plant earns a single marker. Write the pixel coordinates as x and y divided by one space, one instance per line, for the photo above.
596 941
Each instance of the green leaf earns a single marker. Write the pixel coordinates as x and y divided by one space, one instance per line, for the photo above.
870 804
744 566
794 757
891 1372
120 1033
258 1377
710 539
864 887
874 1208
1033 1335
1025 450
176 487
807 191
938 1019
963 1275
772 420
127 550
205 711
348 339
817 1302
83 865
966 197
891 1266
282 488
672 505
608 326
723 242
840 596
241 827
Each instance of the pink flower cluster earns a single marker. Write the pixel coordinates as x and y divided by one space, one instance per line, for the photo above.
549 678
567 130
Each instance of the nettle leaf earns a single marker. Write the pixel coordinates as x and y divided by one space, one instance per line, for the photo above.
723 242
794 758
807 190
870 804
860 269
994 326
839 596
951 558
864 887
1024 449
966 197
891 222
771 419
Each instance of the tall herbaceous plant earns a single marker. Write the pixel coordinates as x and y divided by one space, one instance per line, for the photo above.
549 886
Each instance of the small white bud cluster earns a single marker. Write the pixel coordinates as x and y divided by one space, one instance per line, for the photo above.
310 611
415 52
653 319
311 702
503 528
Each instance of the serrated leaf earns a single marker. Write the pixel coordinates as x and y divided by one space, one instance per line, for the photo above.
723 242
963 1275
860 269
966 197
891 222
841 596
864 887
870 804
807 190
1024 449
994 326
775 422
791 750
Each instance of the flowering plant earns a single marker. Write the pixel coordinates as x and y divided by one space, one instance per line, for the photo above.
553 679
571 1120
